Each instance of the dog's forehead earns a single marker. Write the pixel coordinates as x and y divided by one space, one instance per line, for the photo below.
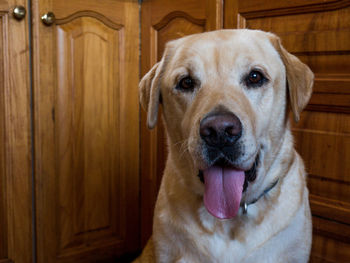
228 39
225 49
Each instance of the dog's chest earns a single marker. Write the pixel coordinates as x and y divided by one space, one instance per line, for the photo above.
223 248
219 242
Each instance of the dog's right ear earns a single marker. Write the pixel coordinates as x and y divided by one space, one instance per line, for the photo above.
150 94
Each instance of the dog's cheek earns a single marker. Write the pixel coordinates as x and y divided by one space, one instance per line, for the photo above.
264 111
173 111
197 154
275 108
190 130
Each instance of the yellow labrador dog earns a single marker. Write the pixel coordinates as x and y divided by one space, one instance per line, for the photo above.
234 188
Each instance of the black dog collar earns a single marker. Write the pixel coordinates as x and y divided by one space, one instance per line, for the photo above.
245 205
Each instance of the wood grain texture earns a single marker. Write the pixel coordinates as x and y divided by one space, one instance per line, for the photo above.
322 41
87 130
15 146
255 8
88 13
87 151
3 175
162 21
318 33
323 140
326 248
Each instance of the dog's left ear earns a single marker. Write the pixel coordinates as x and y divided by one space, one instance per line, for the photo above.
300 79
149 88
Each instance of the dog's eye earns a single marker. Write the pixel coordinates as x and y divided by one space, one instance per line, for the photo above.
186 84
255 79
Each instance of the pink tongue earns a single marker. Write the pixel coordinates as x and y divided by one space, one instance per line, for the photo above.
223 191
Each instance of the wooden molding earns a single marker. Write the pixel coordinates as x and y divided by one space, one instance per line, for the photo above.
332 84
319 7
178 14
100 245
327 108
331 229
333 209
89 13
321 53
331 93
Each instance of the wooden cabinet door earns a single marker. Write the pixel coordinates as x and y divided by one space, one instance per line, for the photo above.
318 32
15 146
162 21
86 129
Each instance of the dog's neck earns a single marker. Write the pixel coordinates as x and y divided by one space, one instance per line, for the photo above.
245 205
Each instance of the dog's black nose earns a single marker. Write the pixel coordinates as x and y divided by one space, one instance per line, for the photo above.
220 129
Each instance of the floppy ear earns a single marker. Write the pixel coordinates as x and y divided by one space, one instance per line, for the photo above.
150 94
299 79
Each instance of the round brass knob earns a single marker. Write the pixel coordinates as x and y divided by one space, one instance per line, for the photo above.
48 18
19 12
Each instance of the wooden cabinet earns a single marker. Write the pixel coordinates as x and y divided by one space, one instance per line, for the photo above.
74 128
86 129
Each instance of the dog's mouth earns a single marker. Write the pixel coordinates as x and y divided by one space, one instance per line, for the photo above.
224 185
250 174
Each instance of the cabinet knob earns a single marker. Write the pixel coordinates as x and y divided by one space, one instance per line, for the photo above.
19 12
48 19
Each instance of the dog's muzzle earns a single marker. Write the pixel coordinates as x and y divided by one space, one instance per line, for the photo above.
224 179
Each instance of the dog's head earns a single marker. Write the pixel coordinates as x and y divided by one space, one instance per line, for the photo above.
225 97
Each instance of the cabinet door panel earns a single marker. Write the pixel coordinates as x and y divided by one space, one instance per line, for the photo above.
15 146
318 33
87 131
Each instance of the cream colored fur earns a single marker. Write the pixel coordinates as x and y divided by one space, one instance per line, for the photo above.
277 228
